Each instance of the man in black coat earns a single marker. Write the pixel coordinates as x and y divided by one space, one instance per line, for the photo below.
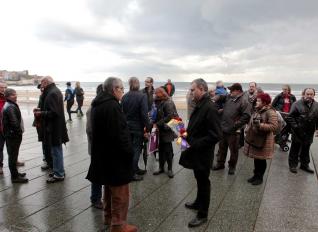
53 124
13 129
112 154
136 110
303 119
203 133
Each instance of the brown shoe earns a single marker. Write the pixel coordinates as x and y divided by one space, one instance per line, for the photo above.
20 164
124 228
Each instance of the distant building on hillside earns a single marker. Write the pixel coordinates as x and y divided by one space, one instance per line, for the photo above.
19 77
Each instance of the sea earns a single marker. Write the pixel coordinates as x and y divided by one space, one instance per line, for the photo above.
182 87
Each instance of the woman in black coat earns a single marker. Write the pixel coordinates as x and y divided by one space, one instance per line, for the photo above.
79 94
166 110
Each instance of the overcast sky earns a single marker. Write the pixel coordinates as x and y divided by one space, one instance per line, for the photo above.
233 40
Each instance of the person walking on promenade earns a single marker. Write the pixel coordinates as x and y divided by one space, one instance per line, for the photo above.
69 98
96 189
13 129
3 87
135 108
170 88
259 140
303 119
79 95
236 113
166 111
283 101
55 134
112 154
203 133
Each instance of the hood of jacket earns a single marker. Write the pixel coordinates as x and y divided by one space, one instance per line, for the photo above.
102 98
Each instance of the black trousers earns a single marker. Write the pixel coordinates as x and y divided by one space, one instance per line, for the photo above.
47 154
203 192
259 167
13 146
165 155
299 152
69 105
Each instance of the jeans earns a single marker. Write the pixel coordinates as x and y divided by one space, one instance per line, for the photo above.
116 201
96 193
203 192
58 162
2 142
13 146
137 142
229 141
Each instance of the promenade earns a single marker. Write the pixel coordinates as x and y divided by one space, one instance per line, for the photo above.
285 202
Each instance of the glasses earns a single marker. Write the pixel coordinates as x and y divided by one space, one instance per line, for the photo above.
121 88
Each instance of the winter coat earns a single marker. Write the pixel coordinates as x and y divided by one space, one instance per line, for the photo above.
303 121
171 87
236 113
112 151
265 133
2 102
89 129
149 95
166 110
12 120
204 132
135 107
278 102
79 95
53 123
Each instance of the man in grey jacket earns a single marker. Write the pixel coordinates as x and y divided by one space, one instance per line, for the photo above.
236 113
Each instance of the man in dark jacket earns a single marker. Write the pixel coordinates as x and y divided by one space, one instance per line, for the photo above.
149 91
236 113
203 133
13 129
3 87
136 110
283 101
53 124
303 119
69 98
112 154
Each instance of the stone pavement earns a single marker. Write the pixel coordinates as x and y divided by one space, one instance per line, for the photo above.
285 202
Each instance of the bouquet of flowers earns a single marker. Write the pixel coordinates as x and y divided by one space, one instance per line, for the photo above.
177 125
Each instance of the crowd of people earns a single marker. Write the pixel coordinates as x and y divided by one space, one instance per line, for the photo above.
118 128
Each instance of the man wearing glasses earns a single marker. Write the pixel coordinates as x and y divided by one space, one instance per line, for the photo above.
112 154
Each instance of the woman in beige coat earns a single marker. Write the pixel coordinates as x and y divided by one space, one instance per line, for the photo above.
259 139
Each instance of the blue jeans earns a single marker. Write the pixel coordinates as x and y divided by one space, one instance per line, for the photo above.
137 142
96 193
58 162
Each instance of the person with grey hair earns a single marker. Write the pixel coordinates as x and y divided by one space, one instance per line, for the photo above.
135 108
203 133
13 129
112 154
51 112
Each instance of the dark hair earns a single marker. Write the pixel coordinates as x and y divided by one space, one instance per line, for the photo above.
304 91
201 84
150 79
163 93
68 83
265 98
8 92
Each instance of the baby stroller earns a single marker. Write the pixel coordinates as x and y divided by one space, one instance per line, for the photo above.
282 137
